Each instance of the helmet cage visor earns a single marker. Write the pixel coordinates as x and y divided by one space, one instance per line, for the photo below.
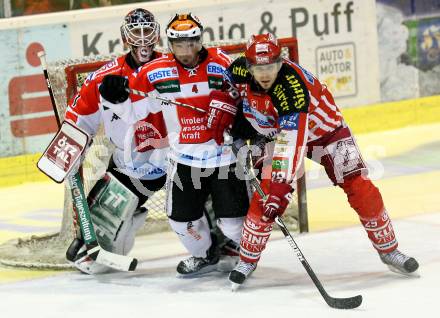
140 33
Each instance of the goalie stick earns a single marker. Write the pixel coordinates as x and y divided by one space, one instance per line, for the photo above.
94 251
339 303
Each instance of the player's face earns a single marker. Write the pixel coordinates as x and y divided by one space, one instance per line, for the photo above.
186 51
142 54
266 74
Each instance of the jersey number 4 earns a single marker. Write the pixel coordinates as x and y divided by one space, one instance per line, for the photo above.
195 89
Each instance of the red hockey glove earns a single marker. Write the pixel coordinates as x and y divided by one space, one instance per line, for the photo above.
221 114
280 195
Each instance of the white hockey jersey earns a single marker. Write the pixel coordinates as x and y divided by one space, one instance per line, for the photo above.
190 141
141 146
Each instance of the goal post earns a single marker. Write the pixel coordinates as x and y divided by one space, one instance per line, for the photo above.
67 76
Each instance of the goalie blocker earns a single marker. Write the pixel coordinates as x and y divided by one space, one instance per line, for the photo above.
63 155
115 219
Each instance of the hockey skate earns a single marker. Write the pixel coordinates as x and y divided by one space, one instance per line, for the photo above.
229 256
400 263
242 271
193 266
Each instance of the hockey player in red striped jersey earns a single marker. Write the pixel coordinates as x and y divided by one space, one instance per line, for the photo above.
284 101
138 163
200 165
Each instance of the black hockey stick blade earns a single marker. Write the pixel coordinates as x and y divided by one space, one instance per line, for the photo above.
343 303
339 303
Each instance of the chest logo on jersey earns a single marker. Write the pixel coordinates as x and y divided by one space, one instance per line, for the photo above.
289 122
215 69
253 114
215 73
162 74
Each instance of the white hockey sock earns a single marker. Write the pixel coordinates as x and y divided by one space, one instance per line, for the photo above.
231 227
194 235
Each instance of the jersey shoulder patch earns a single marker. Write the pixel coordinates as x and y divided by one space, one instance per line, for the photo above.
305 73
219 56
112 67
289 93
238 71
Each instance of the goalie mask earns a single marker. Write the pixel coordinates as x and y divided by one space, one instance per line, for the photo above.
140 32
263 57
184 33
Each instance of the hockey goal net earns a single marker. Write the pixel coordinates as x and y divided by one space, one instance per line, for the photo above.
66 78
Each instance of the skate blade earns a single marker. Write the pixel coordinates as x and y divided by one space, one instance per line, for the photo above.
204 270
235 287
414 274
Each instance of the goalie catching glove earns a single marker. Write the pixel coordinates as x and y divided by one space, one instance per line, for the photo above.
221 114
114 89
279 197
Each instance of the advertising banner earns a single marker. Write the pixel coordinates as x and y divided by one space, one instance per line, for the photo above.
409 48
337 42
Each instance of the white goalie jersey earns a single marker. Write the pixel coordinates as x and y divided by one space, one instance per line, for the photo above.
141 147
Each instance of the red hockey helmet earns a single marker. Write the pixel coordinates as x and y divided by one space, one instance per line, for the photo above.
262 49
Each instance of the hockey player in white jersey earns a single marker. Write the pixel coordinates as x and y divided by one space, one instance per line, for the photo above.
137 167
200 164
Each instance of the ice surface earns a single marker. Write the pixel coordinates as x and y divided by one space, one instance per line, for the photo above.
343 259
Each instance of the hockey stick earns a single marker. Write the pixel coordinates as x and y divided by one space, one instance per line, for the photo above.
339 303
143 94
98 254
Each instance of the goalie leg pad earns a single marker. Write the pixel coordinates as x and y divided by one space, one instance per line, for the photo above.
113 211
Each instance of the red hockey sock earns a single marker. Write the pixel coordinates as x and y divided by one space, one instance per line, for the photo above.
255 233
365 198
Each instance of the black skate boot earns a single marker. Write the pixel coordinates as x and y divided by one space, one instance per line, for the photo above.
229 256
193 266
400 263
242 271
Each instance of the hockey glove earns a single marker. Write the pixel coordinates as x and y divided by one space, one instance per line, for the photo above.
221 114
280 195
114 89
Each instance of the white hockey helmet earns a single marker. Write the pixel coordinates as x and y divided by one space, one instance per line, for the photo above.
184 26
140 28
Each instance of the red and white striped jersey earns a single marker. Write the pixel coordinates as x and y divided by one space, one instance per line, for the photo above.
137 150
190 141
297 109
